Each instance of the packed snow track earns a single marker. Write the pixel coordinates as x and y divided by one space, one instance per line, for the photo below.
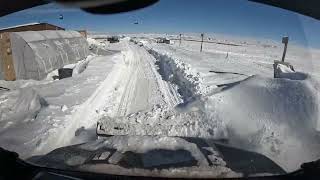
140 84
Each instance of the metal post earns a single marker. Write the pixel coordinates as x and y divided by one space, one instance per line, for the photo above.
201 42
285 41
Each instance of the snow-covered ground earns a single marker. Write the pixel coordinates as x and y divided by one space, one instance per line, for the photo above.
33 112
275 117
225 92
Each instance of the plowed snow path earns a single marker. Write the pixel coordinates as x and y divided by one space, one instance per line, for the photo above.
133 85
141 85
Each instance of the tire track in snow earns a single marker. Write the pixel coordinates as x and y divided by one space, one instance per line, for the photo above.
129 85
143 85
142 88
157 91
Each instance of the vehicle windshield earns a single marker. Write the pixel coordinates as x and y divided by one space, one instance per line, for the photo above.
166 90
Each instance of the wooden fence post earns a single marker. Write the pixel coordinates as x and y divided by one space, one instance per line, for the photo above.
201 42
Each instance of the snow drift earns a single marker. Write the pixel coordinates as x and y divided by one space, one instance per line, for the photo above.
19 105
176 71
283 71
275 117
18 110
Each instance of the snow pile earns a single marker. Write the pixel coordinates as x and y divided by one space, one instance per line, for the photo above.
176 71
92 41
79 124
281 68
161 120
283 71
93 45
275 117
46 108
81 65
126 39
19 105
78 67
143 42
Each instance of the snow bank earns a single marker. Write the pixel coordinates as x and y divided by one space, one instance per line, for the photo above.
28 133
275 117
160 120
79 125
92 41
281 68
176 71
78 67
19 105
81 65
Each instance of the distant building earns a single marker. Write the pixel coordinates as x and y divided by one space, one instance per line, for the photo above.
163 40
113 39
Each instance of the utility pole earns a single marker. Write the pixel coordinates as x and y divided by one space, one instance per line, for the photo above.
285 41
201 42
179 39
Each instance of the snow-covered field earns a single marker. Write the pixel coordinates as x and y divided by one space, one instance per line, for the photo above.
224 93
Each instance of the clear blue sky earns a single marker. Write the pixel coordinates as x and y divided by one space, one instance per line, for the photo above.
234 17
